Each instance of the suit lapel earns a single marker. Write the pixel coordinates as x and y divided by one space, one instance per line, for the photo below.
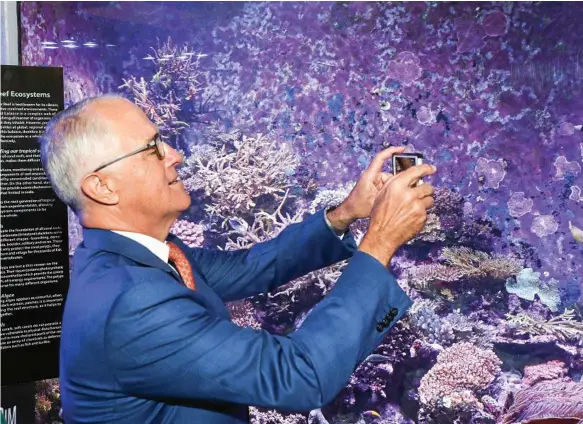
109 241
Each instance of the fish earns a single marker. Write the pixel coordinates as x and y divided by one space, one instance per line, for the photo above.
576 232
376 358
372 413
238 225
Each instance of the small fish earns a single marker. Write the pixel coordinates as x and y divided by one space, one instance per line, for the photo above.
576 232
578 127
377 359
372 413
238 225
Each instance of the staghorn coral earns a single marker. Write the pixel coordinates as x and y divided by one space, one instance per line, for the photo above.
461 370
552 370
563 326
243 315
175 84
527 284
236 170
263 416
190 233
431 232
548 399
421 276
326 198
474 263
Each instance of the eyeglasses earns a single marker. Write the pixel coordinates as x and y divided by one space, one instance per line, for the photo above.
156 144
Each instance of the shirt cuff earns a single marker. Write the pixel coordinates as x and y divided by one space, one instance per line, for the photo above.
340 234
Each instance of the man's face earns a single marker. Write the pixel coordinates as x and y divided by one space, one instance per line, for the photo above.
146 185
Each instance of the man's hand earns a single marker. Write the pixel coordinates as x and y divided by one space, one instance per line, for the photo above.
359 202
399 213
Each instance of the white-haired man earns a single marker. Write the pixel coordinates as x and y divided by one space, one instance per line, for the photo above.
146 335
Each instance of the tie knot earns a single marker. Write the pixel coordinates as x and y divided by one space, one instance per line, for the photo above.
177 256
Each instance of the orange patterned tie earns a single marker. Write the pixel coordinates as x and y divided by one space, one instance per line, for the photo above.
182 265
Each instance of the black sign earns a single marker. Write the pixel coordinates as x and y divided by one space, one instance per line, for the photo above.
18 404
34 255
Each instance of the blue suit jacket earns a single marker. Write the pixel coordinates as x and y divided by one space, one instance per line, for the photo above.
139 347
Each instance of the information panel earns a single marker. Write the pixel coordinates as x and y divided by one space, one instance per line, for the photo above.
34 255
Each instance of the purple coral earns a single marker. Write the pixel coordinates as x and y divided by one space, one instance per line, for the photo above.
518 205
495 24
460 371
190 233
544 225
552 370
470 35
492 171
563 166
405 68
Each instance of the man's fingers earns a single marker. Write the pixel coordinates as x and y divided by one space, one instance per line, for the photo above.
424 190
415 173
379 160
427 202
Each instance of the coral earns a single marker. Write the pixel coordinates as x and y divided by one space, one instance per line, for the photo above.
48 400
551 370
527 284
576 194
549 399
421 276
518 205
461 371
190 233
405 68
469 330
75 231
491 172
544 226
495 24
326 198
563 326
239 170
263 416
563 167
175 84
473 263
434 329
431 232
242 314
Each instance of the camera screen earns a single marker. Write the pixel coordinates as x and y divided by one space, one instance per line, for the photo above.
404 163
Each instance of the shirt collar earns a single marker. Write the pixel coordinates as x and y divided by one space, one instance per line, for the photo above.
157 247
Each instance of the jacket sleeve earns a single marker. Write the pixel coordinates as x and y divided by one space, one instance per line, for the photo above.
299 249
162 343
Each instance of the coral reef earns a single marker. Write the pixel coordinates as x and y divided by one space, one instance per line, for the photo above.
527 284
552 370
461 371
565 327
263 416
47 409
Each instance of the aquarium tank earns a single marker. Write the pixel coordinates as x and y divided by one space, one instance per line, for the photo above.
279 107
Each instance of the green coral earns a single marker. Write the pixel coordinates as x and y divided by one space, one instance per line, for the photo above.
528 284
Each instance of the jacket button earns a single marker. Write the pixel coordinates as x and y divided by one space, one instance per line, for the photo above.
380 327
393 312
387 321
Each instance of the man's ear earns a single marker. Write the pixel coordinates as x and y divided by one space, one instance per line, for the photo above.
99 189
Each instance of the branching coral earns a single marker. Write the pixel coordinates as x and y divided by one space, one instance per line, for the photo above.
236 170
564 326
174 84
190 233
242 314
48 400
461 370
420 276
330 197
474 263
262 416
431 232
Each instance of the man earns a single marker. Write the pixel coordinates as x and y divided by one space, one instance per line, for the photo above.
146 336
